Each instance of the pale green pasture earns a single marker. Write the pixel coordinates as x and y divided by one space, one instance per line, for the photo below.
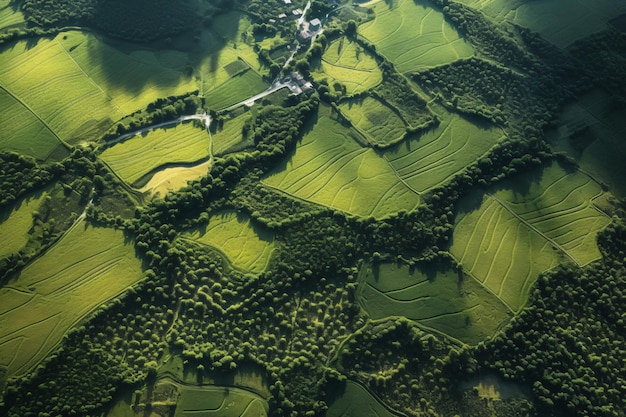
558 205
14 228
501 251
85 268
246 246
452 303
347 63
22 132
330 168
414 36
356 401
139 155
47 80
440 153
378 122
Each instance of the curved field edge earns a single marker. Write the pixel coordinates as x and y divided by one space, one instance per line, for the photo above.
86 268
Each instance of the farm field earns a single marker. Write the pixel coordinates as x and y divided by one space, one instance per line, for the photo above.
591 131
246 246
131 79
10 14
219 401
175 178
414 36
228 135
558 205
356 401
22 132
501 252
85 268
432 158
38 75
381 125
559 21
330 168
453 304
133 158
345 62
240 87
16 223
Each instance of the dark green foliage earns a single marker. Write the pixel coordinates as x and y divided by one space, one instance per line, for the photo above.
21 174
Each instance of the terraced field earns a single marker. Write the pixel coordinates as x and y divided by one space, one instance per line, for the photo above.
357 401
84 269
22 131
453 304
414 36
345 62
139 155
381 124
247 247
220 401
559 21
16 223
437 155
520 231
330 168
591 131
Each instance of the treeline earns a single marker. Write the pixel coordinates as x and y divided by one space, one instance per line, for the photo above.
20 174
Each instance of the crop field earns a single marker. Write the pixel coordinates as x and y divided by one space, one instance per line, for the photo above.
501 252
456 305
135 157
240 87
40 75
558 205
219 401
230 134
437 155
84 269
414 36
381 125
132 79
345 62
175 178
330 168
356 401
22 132
559 21
16 223
591 131
10 14
247 246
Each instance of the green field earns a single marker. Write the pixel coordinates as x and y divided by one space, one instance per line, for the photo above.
135 157
230 134
440 153
558 205
22 131
174 178
345 62
240 87
10 14
220 401
88 266
559 21
382 126
16 223
330 168
247 246
355 401
414 36
456 305
591 131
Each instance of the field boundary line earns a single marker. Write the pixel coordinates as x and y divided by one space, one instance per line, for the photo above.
398 175
533 228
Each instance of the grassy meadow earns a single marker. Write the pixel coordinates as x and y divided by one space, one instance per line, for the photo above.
247 247
10 14
345 62
137 156
174 178
451 303
16 223
330 168
228 135
382 126
219 401
22 132
241 86
438 154
413 35
87 267
357 401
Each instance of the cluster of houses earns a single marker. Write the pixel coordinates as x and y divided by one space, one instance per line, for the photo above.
294 14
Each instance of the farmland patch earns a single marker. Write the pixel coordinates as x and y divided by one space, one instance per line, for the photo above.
16 223
357 401
382 126
88 266
240 87
330 168
445 300
175 178
229 134
414 36
247 246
